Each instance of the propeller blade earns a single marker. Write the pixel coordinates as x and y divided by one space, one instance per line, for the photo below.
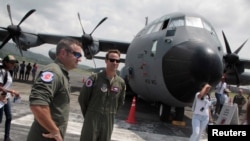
226 43
26 16
4 28
18 45
237 76
98 24
5 40
80 22
9 12
237 50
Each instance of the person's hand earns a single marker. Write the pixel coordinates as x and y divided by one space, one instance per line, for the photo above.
14 93
211 121
3 98
56 136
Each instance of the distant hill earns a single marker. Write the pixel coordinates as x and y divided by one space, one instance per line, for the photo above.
28 56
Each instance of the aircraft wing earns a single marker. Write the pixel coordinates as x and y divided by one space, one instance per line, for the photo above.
3 34
103 45
246 63
53 39
103 58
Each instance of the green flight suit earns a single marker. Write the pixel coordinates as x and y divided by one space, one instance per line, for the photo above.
100 99
51 88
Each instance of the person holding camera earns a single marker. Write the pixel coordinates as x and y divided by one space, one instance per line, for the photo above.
201 112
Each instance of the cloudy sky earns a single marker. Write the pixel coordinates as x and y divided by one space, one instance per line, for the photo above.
125 17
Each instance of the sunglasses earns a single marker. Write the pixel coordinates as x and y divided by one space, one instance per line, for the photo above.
76 54
114 60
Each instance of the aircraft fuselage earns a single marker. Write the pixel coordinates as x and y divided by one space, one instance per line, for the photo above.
171 58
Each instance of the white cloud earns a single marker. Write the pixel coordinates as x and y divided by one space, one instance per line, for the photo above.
126 17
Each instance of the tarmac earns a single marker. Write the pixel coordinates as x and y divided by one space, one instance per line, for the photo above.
147 126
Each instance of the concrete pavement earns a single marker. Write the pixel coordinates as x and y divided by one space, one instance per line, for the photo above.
147 127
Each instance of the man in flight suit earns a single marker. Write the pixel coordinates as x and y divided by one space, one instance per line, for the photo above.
50 94
100 98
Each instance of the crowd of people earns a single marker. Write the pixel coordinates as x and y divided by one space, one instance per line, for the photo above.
24 71
100 97
202 106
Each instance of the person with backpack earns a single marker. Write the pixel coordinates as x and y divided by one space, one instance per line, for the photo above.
5 85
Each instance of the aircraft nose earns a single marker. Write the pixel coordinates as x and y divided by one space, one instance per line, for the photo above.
188 65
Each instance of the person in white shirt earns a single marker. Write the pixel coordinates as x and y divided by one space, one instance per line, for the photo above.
226 96
5 85
219 91
201 113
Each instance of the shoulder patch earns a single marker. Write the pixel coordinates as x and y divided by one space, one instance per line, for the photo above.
89 82
47 76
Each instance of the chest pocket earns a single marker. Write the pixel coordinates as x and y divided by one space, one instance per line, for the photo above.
63 91
115 89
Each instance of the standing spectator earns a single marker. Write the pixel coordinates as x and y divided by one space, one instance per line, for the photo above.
1 61
33 71
201 113
15 70
240 100
27 73
225 99
5 85
100 98
21 72
219 91
248 113
227 96
50 94
246 121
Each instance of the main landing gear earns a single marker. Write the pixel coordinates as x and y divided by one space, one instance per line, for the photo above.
176 116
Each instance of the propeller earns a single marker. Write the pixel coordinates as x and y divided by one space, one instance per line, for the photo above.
88 42
14 31
231 59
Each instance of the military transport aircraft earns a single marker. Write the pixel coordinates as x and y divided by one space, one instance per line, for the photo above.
167 61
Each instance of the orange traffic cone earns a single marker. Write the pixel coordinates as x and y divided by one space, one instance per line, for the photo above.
131 116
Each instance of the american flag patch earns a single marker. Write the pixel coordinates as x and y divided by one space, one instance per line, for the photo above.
114 89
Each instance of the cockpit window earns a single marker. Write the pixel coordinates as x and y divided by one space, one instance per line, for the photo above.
208 27
194 21
176 22
198 22
154 28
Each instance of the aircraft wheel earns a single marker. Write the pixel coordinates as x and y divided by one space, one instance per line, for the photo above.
164 112
179 113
